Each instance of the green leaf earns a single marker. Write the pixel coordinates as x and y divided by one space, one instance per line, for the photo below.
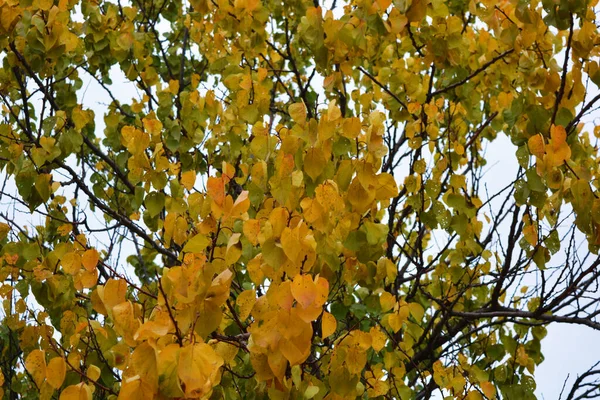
155 202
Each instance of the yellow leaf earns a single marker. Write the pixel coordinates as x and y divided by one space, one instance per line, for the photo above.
474 395
351 128
35 363
153 329
241 205
386 187
135 389
174 86
333 111
378 338
188 179
113 292
71 263
245 302
290 242
314 162
168 359
56 371
124 321
144 362
278 363
558 151
308 292
152 126
90 259
416 310
328 325
395 321
198 369
197 244
251 230
80 118
64 229
8 16
234 249
360 198
45 4
387 301
93 372
531 234
76 392
298 113
47 143
180 230
228 352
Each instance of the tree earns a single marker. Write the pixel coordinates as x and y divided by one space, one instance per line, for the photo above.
293 201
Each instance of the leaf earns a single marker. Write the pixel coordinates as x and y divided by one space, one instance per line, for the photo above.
133 388
198 369
360 198
488 389
216 189
328 325
4 229
311 392
387 301
558 151
251 230
90 259
309 292
168 360
144 362
56 371
245 301
93 372
298 112
155 202
378 338
35 363
80 391
188 179
386 187
197 244
417 311
273 254
351 128
234 249
71 263
536 145
417 10
314 163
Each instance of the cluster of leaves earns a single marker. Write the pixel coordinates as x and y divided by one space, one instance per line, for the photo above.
299 189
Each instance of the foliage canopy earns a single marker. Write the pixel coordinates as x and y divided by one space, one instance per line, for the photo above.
300 190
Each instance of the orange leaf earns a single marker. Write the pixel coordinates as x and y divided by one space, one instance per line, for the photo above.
216 189
536 145
90 259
